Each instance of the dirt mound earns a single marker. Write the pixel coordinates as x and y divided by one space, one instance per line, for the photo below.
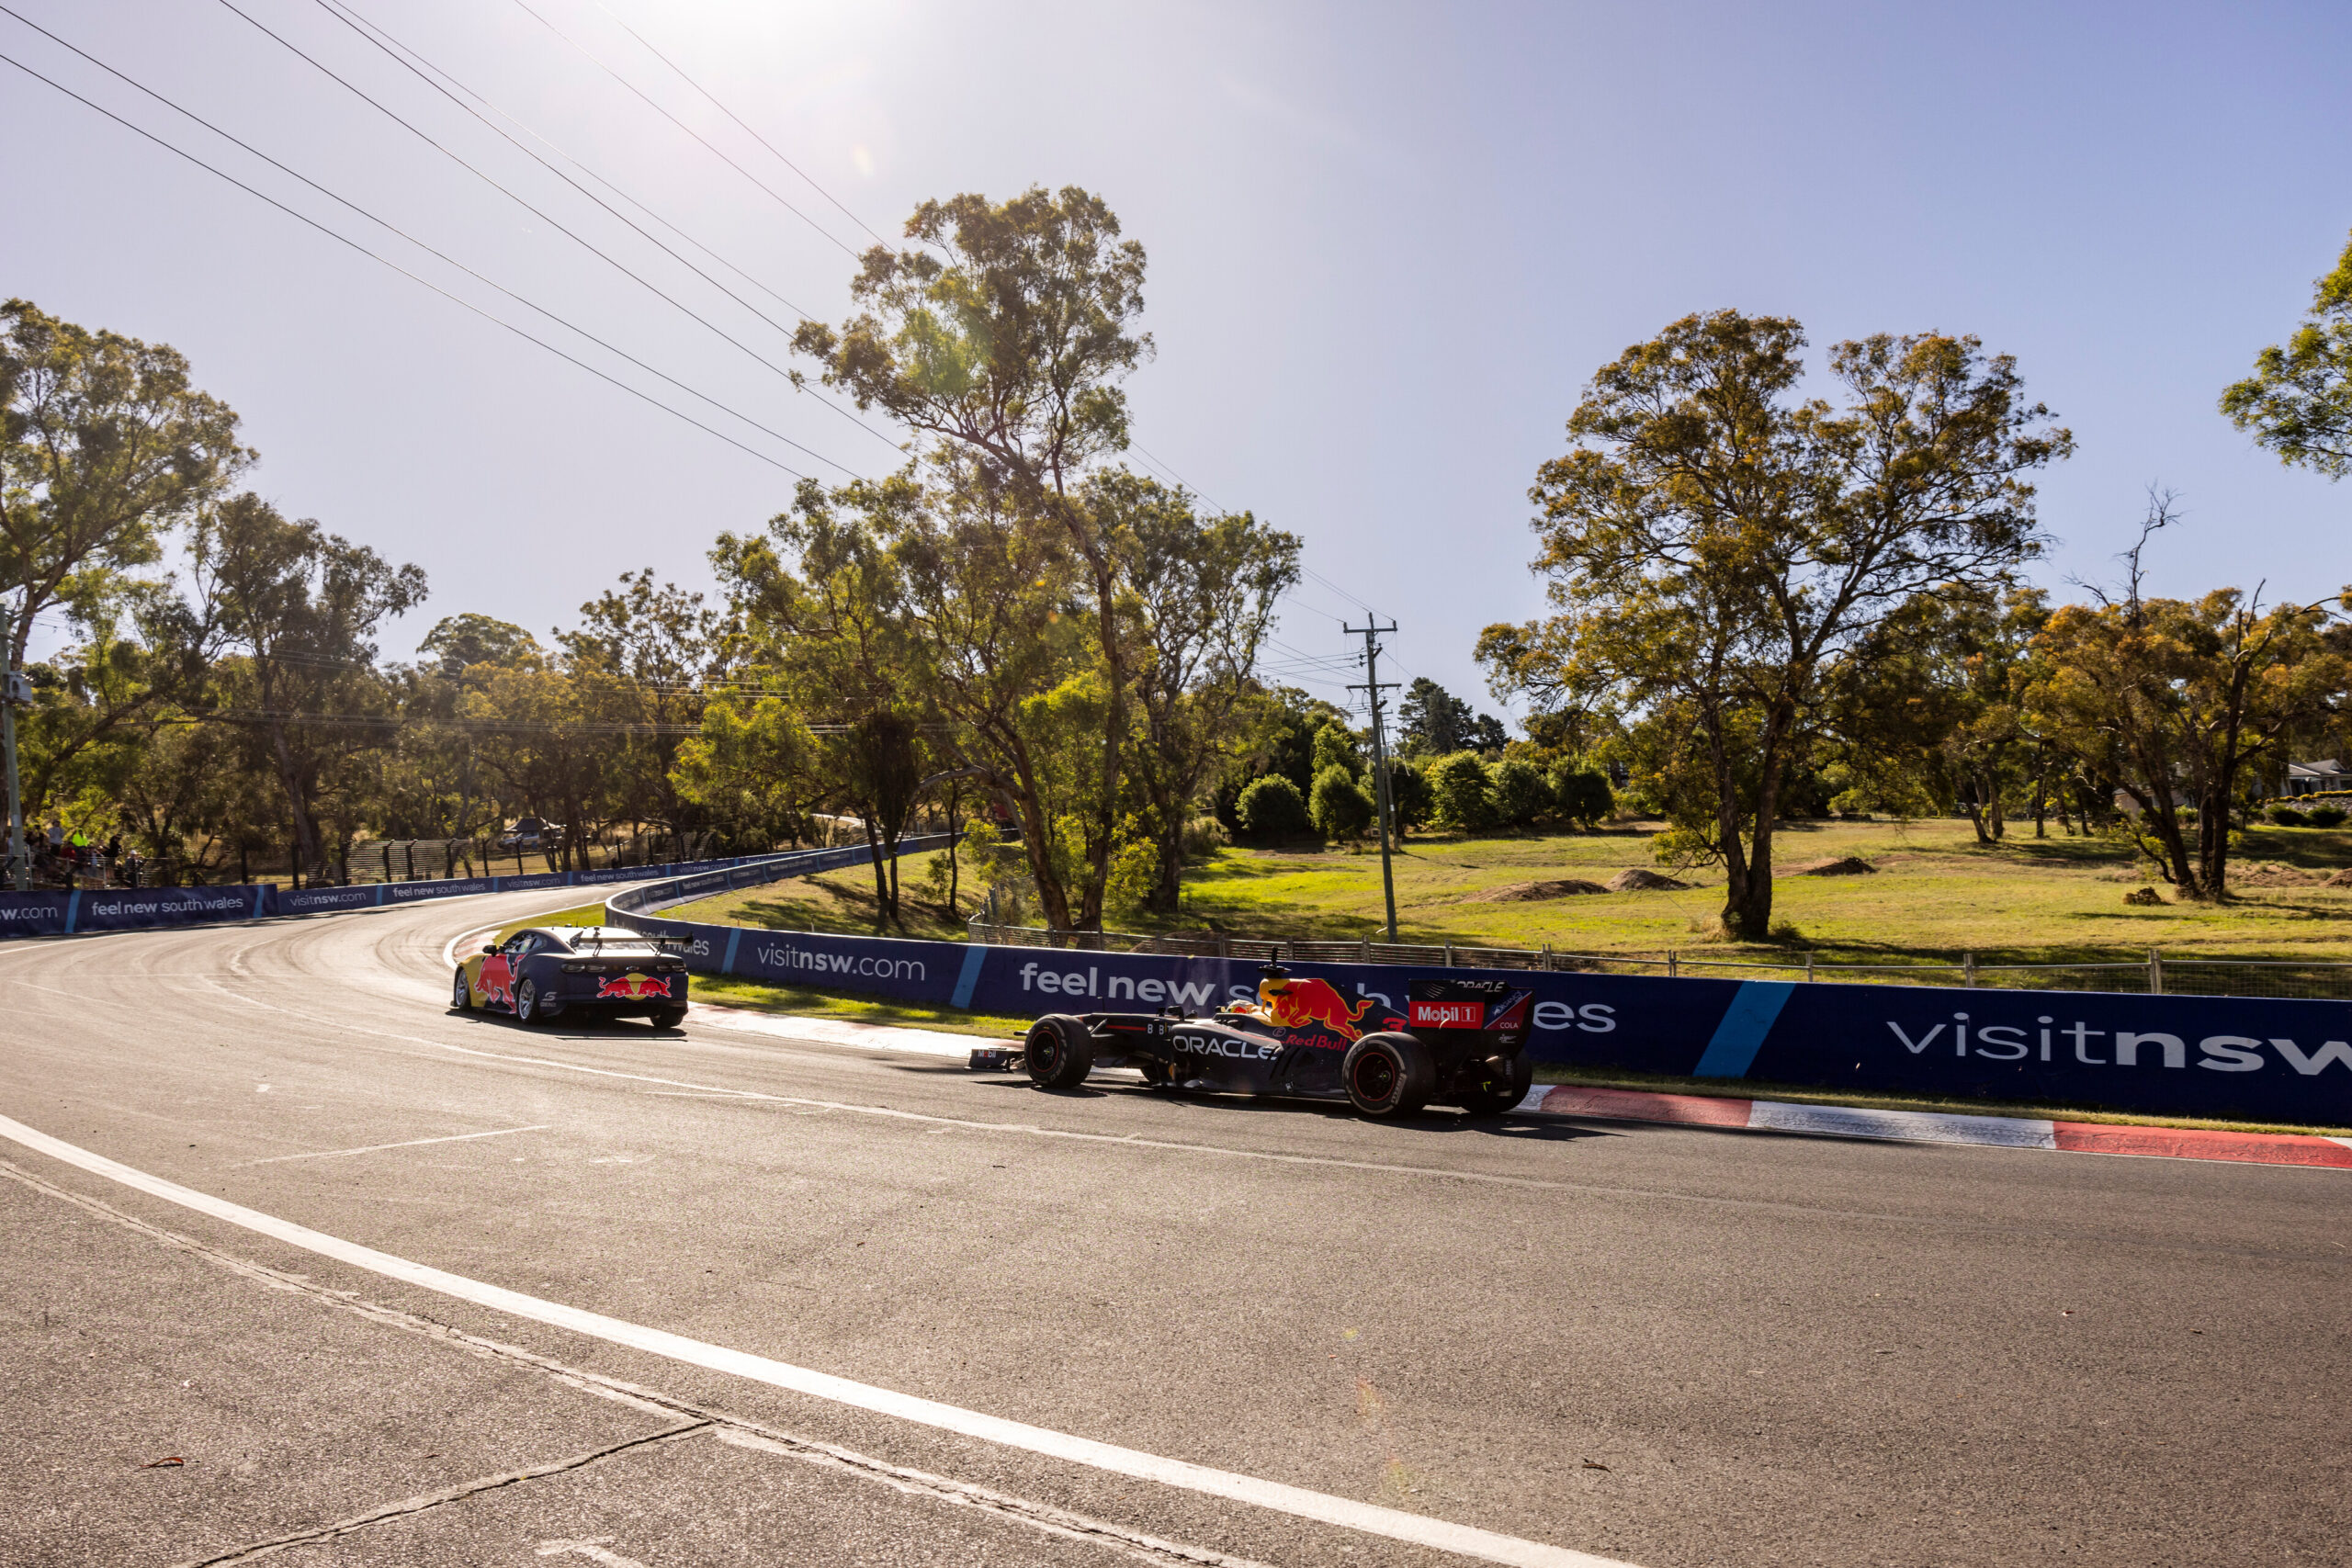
2270 873
1634 879
2341 879
2144 898
1847 866
1528 892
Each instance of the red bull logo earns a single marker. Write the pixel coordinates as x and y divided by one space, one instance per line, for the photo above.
497 981
1302 1004
632 986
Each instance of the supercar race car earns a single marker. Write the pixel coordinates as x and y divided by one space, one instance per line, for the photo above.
1462 1043
609 971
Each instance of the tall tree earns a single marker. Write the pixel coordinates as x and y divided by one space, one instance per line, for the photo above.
2298 403
2185 697
301 606
1717 544
1203 593
104 447
1004 334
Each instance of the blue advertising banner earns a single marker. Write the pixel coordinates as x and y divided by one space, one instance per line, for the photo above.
2251 1057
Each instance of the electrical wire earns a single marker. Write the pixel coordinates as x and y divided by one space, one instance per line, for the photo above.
429 250
544 217
707 145
738 120
414 277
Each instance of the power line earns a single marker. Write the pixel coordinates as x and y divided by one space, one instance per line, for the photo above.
544 217
429 250
690 130
738 120
386 261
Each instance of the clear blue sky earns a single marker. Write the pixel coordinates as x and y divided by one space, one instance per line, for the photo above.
1388 244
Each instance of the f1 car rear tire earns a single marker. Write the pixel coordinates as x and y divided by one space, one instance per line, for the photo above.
462 997
669 1017
1059 1052
1387 1075
1498 1092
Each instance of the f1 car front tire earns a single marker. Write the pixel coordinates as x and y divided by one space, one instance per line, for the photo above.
1387 1075
462 994
1496 1092
1059 1052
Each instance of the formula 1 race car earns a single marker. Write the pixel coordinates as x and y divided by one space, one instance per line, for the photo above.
1462 1043
609 971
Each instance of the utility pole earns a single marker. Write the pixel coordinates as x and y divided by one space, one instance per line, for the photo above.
15 692
1372 688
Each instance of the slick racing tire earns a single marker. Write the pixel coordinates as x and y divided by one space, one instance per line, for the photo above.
1059 1052
527 1006
1490 1093
462 994
1387 1075
669 1017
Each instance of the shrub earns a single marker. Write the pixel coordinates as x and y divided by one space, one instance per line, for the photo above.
1521 794
1133 874
1335 746
1272 807
1582 795
1461 792
1338 806
2327 816
1410 796
2287 817
1204 836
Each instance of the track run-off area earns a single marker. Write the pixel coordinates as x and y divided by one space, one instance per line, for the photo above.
302 1266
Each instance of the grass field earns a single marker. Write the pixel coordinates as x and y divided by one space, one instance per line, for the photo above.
1936 895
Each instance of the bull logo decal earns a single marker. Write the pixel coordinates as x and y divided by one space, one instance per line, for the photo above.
633 987
1304 1004
497 981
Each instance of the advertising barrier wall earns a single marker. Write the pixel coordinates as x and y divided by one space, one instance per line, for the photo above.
129 909
2257 1058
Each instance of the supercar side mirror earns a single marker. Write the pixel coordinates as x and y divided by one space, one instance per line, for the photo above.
492 948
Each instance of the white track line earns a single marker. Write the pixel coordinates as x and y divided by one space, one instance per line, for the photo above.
1345 1512
372 1148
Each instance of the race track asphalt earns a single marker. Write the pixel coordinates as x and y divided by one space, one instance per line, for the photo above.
1661 1346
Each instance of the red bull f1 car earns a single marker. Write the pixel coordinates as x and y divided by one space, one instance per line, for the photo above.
1460 1043
606 971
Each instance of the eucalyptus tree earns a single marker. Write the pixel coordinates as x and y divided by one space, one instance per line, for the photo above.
1717 547
2298 403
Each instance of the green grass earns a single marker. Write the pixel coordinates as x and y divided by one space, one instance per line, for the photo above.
841 902
1936 895
1724 1088
807 1001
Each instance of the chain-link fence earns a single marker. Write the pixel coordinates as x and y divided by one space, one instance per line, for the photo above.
2154 975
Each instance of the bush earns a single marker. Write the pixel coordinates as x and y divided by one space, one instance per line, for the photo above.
1204 836
1582 795
2288 817
2327 816
1461 793
1410 796
1519 793
1134 874
1338 806
1272 807
1335 746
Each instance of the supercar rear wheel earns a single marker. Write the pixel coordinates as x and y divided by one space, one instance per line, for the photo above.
461 995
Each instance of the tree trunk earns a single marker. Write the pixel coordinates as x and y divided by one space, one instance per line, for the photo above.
298 804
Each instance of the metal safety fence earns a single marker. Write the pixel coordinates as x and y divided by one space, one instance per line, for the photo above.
2154 974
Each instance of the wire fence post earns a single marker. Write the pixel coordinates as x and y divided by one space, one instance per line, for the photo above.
1669 963
1449 955
2155 972
1808 966
1968 969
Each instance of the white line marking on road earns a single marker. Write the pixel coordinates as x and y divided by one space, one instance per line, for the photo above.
1394 1524
411 1143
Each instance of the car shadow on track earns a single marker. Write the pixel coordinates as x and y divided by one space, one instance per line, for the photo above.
563 1024
1452 1124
